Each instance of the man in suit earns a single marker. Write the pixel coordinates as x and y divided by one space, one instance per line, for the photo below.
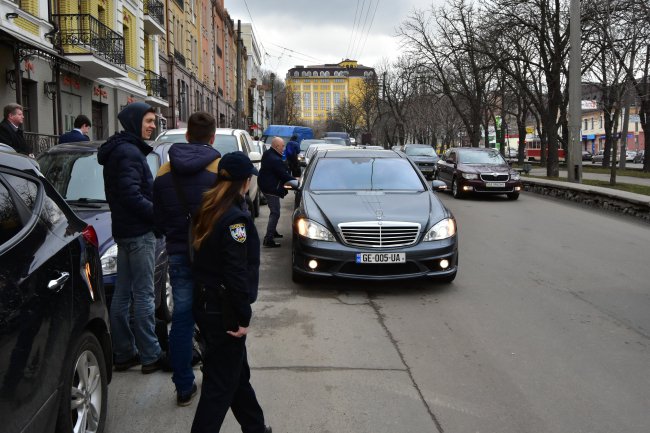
79 133
10 132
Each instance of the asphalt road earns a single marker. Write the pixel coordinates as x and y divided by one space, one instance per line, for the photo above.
545 329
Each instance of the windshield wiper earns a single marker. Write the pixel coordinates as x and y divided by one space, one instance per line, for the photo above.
87 202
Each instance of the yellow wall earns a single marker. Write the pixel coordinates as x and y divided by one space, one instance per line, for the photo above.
31 7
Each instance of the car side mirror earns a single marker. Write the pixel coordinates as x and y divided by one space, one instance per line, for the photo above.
292 185
255 157
438 185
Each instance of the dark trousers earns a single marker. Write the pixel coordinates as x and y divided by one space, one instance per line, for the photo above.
226 378
273 201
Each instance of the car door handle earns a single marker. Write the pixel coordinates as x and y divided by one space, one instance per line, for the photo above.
55 285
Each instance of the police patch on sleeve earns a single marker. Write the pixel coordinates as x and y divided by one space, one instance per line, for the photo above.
238 232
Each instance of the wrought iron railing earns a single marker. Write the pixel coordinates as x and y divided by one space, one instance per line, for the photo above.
40 142
87 32
156 10
179 57
155 84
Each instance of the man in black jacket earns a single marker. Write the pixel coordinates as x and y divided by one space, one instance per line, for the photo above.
273 176
79 133
10 132
128 184
177 192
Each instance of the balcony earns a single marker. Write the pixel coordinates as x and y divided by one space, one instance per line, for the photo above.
156 89
40 142
179 57
154 17
97 49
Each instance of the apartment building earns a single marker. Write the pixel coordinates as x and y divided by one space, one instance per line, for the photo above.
318 89
254 103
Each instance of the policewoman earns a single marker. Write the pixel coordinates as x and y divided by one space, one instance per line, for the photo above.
226 271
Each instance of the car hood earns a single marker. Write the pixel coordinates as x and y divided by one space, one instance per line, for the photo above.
335 208
484 168
417 159
100 219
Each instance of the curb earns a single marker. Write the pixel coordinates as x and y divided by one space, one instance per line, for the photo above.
635 205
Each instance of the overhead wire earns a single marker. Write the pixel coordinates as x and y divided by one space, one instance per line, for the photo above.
372 20
354 24
365 20
354 38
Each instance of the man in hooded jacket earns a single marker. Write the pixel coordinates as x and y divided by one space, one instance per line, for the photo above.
128 184
178 191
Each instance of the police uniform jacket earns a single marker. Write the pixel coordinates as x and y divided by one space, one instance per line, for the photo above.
230 255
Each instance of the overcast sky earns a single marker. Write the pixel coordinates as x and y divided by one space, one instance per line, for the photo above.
311 32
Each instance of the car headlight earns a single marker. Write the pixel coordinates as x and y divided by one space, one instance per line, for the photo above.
312 230
470 175
514 176
109 261
442 230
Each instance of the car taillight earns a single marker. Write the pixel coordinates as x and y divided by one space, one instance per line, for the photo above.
90 235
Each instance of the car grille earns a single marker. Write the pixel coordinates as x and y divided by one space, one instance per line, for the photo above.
425 164
491 177
379 234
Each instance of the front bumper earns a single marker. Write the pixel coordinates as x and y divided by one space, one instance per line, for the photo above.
480 186
337 260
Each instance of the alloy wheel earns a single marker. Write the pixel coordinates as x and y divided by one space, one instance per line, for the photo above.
86 394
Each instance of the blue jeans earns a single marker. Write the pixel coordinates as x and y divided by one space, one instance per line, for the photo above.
273 202
135 267
180 336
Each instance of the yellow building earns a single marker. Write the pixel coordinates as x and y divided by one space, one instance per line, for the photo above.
318 89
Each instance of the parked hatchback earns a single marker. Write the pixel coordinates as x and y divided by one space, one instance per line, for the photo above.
55 345
468 170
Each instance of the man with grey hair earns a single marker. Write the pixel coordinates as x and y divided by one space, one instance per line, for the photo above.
273 175
10 132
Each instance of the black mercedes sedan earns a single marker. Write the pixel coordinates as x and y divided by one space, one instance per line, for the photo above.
371 215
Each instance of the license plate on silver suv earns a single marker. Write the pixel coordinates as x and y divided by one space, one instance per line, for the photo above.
495 184
381 258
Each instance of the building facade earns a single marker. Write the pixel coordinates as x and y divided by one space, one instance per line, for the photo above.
318 89
60 59
255 102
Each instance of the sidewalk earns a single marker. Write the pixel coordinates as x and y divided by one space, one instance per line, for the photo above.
597 176
628 203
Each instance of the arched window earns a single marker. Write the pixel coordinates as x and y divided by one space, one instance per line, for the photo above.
327 73
304 74
296 74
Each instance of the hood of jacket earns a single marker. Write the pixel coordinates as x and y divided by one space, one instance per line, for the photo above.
131 119
190 158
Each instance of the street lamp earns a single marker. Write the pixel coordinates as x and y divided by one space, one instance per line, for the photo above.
272 96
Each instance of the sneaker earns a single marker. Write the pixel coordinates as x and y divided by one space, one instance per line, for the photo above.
185 398
277 236
159 364
270 243
125 365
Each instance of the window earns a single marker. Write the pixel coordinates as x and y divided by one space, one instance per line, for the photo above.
328 101
337 99
592 123
322 101
10 222
586 125
365 174
327 74
296 74
600 123
307 100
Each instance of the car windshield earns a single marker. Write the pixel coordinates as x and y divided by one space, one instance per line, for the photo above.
335 140
363 173
490 157
172 138
304 144
225 143
420 151
77 176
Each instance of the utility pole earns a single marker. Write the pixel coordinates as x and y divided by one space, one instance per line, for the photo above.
574 155
272 97
239 78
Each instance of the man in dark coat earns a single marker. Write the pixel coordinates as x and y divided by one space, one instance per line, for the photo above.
128 184
273 176
291 152
10 132
79 133
191 170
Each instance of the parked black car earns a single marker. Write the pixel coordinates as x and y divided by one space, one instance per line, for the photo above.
73 170
55 345
370 214
469 170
